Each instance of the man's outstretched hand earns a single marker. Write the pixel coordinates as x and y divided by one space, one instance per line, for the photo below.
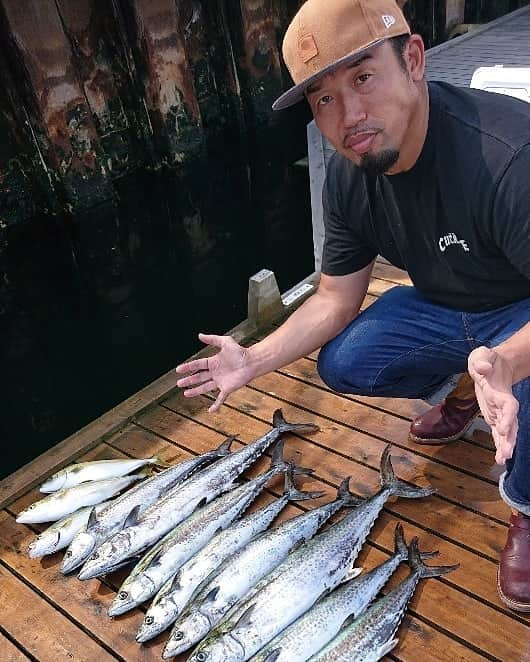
227 371
493 377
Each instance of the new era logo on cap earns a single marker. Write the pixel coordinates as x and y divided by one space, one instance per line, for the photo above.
388 20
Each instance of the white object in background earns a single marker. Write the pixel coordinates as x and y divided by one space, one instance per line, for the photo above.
513 81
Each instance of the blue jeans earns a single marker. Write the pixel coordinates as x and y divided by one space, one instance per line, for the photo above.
405 346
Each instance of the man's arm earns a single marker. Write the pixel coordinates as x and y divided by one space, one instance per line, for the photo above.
494 372
325 314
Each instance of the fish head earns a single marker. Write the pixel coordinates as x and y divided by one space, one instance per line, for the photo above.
79 549
155 621
186 633
33 514
132 593
44 544
106 558
219 649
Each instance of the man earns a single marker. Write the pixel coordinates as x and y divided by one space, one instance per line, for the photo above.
435 179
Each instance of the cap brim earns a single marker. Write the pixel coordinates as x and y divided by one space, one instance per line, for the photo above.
297 92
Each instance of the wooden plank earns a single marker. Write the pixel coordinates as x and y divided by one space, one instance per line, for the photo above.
9 652
42 630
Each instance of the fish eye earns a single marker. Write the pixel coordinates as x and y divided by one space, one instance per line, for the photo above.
94 556
32 506
68 553
180 635
149 620
201 657
123 595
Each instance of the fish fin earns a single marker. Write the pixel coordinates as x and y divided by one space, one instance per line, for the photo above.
224 448
159 462
132 517
425 571
202 502
297 544
273 655
92 520
212 594
245 618
352 573
145 472
175 583
344 494
399 487
400 546
278 461
293 494
280 424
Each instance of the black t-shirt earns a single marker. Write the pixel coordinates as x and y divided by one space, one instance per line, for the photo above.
459 220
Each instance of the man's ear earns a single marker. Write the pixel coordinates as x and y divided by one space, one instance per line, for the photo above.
415 57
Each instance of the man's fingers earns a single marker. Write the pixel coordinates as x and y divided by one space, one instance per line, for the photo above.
201 390
208 339
192 366
218 402
197 378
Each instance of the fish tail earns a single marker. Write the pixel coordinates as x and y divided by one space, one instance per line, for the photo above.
291 491
348 498
224 448
416 564
400 545
279 423
399 487
159 462
280 464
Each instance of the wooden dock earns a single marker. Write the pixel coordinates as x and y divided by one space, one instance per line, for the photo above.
46 616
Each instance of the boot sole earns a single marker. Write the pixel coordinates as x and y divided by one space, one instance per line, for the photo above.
515 606
444 440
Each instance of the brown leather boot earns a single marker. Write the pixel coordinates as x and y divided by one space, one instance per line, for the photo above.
450 419
513 576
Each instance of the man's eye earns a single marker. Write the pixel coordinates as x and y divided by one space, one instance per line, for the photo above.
363 78
323 101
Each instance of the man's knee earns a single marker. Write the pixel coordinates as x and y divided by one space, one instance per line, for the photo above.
341 370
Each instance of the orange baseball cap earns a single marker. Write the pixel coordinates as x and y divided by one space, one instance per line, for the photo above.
325 34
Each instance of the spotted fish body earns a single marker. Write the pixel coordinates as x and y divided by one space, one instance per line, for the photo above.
178 590
60 534
316 568
65 502
372 635
132 504
321 623
181 501
97 470
239 574
166 558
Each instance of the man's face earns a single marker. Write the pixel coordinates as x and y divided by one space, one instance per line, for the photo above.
367 108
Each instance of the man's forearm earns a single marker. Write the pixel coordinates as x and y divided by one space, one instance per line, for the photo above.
516 351
307 329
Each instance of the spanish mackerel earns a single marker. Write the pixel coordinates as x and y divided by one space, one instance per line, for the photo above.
177 591
181 501
321 623
317 567
239 574
127 508
60 534
372 636
81 472
65 502
180 544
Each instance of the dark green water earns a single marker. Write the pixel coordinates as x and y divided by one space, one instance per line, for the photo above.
98 305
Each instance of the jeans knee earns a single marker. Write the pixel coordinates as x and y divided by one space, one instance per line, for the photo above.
337 372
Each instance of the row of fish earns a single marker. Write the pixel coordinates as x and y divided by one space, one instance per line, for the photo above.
228 582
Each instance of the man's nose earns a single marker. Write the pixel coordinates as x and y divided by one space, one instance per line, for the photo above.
353 110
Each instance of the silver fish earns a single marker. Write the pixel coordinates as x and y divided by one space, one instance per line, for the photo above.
81 472
181 501
372 635
317 567
244 570
178 546
65 502
60 534
125 510
178 590
322 622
